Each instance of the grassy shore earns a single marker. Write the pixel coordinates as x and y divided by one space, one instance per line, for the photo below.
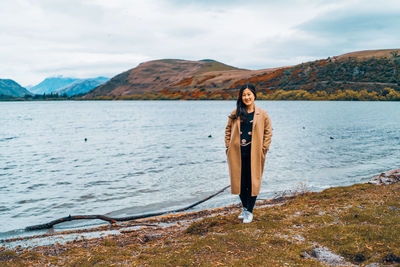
357 224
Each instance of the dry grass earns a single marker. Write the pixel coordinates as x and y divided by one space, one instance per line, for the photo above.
359 222
370 53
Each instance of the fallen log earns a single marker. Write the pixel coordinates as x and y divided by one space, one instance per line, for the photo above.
112 220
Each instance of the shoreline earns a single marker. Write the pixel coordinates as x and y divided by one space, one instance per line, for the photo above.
354 224
162 221
167 218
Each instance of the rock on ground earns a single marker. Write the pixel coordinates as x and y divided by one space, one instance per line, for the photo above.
324 255
388 177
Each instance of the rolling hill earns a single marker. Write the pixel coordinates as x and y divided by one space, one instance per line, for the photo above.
11 88
156 75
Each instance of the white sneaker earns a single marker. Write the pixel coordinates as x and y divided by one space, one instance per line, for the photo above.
248 217
241 215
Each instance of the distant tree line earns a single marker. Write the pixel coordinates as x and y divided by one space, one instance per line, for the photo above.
385 94
44 96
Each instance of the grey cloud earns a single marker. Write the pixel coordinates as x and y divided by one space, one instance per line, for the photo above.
350 25
332 33
74 9
99 37
206 3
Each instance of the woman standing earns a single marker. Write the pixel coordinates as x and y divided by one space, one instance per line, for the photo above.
247 139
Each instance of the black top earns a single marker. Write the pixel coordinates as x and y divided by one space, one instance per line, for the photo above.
245 134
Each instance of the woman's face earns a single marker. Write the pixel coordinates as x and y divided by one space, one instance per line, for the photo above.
248 97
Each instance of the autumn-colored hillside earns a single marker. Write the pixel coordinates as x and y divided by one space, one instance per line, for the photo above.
372 72
354 71
153 76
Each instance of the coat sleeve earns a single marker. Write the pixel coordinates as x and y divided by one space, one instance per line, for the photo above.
267 133
228 130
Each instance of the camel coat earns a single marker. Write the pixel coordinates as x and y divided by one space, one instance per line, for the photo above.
260 141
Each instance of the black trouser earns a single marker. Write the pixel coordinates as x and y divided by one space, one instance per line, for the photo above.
248 201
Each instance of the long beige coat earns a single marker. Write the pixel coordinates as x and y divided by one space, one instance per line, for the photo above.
260 141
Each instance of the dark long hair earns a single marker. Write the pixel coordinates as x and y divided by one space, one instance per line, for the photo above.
241 109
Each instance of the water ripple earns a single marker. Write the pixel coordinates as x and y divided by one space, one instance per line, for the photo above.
8 138
146 156
100 182
28 201
35 186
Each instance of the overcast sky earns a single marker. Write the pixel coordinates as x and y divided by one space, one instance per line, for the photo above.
89 38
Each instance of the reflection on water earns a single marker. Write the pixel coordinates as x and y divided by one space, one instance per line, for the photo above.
124 158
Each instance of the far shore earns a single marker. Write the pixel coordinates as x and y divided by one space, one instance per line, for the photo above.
387 94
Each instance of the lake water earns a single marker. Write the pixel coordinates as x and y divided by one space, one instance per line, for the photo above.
147 156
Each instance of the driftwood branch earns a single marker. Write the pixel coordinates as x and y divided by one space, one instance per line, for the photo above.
70 218
112 220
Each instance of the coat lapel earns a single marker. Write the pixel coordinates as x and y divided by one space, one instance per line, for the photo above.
256 116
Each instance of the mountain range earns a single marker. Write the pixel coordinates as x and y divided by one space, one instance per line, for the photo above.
65 85
81 86
370 70
52 84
